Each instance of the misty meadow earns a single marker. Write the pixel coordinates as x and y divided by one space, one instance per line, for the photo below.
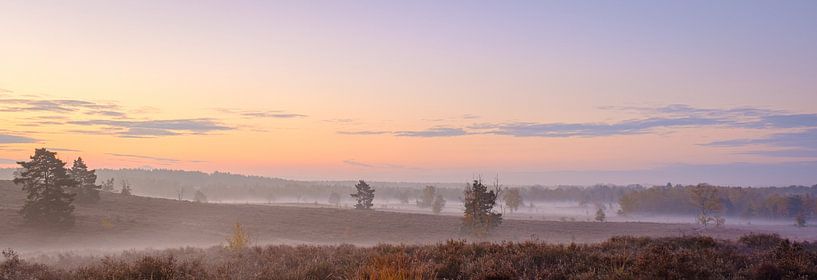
279 139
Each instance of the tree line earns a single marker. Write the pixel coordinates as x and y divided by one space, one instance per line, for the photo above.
710 203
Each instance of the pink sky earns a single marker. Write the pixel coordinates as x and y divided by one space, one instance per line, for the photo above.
425 91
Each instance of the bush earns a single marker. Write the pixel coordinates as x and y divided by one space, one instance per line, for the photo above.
239 240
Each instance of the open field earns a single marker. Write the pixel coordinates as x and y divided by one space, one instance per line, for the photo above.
121 222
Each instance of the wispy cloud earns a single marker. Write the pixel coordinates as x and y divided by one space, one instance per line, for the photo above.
593 129
654 119
155 128
13 139
145 157
802 139
340 120
59 106
374 165
63 150
432 132
364 132
274 114
687 110
787 121
791 144
357 163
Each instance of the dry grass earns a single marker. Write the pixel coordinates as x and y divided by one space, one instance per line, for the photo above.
753 257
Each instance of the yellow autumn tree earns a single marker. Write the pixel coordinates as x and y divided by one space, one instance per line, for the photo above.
239 239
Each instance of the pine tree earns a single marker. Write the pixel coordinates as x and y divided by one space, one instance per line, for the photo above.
47 183
480 217
364 195
87 191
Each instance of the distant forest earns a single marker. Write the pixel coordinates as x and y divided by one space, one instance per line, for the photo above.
762 202
755 202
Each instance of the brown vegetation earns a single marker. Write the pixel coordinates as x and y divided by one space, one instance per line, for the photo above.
751 257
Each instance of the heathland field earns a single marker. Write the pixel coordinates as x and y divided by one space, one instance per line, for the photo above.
120 222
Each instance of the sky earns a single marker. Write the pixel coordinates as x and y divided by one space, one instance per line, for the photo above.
531 92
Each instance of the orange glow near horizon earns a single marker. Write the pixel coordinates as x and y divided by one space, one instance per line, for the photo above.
401 91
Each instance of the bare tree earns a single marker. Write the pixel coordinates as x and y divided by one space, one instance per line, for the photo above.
512 199
706 200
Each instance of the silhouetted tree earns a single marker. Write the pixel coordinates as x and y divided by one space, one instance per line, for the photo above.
513 199
200 197
705 198
334 199
180 193
87 191
600 216
796 209
438 205
46 182
427 197
126 190
479 202
107 185
364 195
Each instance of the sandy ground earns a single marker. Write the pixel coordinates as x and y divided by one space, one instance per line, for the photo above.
121 222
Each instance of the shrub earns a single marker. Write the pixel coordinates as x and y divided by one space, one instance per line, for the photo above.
751 257
239 240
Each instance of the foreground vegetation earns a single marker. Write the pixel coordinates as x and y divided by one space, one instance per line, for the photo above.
750 257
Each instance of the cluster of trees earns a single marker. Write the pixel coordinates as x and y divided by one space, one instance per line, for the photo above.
51 189
479 216
431 198
710 204
513 199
